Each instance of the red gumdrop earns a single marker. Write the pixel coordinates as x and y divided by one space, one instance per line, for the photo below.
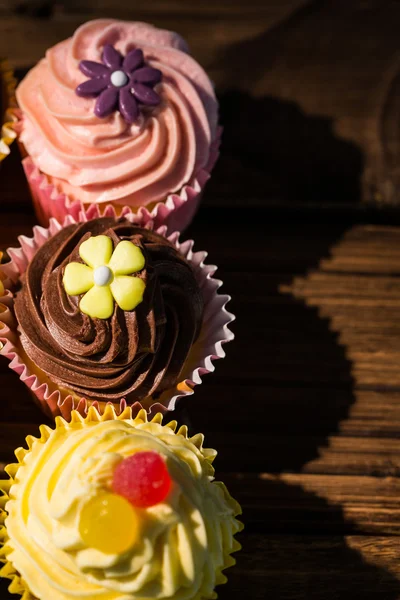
142 478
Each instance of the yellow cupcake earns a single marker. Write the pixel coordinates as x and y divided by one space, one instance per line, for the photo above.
7 104
69 532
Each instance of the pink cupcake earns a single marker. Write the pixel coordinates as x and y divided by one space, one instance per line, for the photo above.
118 114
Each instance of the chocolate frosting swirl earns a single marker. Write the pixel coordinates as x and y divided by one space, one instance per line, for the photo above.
133 354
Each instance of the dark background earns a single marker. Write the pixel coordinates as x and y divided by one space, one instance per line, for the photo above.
300 216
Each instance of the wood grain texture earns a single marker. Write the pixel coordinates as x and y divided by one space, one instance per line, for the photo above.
300 567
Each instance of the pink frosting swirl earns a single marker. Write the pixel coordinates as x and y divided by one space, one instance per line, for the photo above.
109 160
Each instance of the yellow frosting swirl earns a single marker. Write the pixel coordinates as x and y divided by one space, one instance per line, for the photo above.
184 543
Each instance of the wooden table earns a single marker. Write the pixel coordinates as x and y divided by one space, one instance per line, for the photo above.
305 408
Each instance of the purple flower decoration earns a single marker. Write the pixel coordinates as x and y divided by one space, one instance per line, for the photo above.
119 83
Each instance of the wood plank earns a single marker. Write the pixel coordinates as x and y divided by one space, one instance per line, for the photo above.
222 23
297 411
350 456
14 195
366 249
322 504
292 410
309 567
13 225
299 568
287 428
325 504
274 9
30 38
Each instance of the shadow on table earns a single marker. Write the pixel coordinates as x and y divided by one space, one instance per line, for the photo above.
269 141
283 389
273 152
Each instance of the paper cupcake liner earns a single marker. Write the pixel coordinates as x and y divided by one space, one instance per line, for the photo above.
18 585
176 212
208 347
7 84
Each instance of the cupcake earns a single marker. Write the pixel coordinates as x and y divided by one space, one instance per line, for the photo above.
116 508
2 277
7 102
118 114
104 310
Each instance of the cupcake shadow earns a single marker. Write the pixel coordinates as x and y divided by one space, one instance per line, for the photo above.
290 158
280 130
270 410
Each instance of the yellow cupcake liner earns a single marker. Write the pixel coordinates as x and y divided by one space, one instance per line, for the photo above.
8 84
18 585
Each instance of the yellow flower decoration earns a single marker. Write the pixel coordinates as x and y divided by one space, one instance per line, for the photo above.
105 277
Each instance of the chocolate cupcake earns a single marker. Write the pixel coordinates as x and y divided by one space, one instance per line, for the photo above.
107 311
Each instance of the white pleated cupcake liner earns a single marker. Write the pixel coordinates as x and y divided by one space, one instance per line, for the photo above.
209 346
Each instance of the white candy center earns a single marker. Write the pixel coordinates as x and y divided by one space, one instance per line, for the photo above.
102 275
119 78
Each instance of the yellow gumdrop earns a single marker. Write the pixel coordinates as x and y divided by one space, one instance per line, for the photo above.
109 523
